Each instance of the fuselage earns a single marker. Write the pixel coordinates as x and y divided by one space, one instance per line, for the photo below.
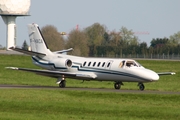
102 69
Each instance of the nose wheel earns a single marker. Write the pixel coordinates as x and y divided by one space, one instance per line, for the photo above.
141 86
117 86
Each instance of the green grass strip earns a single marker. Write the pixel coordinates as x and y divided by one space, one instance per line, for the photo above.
20 104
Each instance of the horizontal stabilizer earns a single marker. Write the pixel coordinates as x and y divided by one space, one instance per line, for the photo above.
166 73
26 51
63 51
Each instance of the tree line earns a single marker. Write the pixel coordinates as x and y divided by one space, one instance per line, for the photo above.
96 40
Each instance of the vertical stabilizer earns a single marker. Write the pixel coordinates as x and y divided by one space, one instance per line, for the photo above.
37 41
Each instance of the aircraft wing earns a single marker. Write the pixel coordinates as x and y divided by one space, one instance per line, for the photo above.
166 73
57 74
26 51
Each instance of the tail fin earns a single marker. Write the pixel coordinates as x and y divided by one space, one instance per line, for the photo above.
37 41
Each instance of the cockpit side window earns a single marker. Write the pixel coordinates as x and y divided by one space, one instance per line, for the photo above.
121 64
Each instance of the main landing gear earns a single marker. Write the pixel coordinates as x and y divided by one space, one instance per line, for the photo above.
117 85
61 82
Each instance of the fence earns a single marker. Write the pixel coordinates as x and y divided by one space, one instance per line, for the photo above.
151 56
140 56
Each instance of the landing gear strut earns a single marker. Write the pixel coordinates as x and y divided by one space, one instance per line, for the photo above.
117 85
141 86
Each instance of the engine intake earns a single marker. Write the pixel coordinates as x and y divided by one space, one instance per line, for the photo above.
68 63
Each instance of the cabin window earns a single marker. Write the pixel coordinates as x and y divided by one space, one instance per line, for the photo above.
99 64
89 64
108 64
94 64
103 64
84 64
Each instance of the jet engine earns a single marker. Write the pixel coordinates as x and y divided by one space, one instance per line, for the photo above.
63 63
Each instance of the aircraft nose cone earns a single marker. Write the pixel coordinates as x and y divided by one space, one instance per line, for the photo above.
151 75
155 77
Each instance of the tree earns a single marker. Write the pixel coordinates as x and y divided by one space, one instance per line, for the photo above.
143 48
53 38
106 39
175 39
159 42
25 45
115 42
128 36
78 40
115 38
160 45
95 34
128 41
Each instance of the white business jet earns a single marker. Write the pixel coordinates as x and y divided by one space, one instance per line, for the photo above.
62 66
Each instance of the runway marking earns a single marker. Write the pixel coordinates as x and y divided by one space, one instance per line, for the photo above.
87 89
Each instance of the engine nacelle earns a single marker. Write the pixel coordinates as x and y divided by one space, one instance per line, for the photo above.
63 63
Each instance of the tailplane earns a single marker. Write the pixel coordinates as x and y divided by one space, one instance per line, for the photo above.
37 41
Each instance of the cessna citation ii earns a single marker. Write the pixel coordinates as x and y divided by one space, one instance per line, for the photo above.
62 66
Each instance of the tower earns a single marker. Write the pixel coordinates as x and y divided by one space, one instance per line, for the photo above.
9 10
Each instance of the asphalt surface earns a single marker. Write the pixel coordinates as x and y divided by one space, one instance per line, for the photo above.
86 89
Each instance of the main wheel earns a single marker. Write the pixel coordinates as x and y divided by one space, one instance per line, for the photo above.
117 85
62 84
141 86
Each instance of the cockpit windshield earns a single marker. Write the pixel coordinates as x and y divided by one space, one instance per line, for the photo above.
129 63
138 64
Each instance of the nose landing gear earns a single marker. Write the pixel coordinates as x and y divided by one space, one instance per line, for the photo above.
141 86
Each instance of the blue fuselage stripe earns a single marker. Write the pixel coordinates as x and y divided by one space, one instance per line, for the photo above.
48 64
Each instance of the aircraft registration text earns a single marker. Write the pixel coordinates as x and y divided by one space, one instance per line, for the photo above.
36 40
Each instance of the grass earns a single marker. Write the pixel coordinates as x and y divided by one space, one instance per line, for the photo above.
78 105
45 104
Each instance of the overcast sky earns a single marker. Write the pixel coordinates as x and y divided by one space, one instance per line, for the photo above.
158 18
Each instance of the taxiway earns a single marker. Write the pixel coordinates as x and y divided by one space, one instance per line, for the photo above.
86 89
